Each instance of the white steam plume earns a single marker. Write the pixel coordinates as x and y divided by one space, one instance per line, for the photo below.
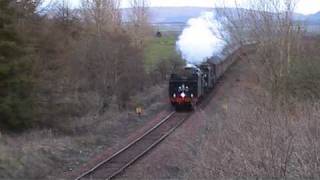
201 39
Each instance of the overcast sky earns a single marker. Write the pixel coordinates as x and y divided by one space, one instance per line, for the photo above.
304 6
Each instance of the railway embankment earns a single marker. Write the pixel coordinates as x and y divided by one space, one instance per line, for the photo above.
242 133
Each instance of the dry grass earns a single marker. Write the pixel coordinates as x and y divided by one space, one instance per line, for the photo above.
256 142
48 153
251 136
247 135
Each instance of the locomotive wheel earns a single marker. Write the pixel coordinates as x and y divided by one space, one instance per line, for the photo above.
191 107
177 107
184 107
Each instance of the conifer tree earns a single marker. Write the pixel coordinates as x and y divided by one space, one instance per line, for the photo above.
15 82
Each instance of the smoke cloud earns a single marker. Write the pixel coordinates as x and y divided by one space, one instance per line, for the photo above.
201 39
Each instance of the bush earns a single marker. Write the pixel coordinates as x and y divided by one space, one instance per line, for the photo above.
304 79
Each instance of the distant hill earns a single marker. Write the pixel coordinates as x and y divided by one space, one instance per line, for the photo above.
171 14
168 15
314 18
175 14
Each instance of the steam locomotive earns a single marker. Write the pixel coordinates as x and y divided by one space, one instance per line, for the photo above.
189 84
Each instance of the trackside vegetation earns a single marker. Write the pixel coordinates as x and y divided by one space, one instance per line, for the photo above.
58 64
15 69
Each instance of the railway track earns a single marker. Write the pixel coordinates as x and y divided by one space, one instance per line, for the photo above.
118 162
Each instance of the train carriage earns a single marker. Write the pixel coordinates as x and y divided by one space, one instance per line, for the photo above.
208 71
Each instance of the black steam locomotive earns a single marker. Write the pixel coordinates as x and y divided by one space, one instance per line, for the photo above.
191 83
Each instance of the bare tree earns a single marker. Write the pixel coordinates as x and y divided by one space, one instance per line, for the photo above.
270 25
138 23
104 14
108 55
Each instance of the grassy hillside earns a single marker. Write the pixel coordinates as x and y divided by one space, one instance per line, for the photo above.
159 50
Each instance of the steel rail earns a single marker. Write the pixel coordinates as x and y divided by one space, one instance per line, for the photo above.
141 138
130 145
147 150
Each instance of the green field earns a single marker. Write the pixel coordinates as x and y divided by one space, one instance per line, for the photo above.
160 49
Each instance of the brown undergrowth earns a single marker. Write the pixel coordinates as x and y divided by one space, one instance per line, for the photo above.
48 154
